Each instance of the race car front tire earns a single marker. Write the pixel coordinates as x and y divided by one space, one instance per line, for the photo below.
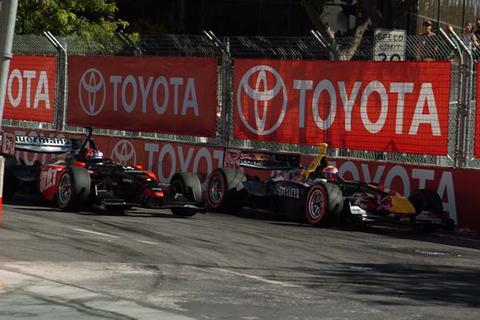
225 191
324 205
73 190
187 184
426 200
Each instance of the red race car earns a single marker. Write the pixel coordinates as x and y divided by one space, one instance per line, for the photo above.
82 177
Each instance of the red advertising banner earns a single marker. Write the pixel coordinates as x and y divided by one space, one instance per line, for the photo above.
164 159
377 106
30 92
477 119
157 94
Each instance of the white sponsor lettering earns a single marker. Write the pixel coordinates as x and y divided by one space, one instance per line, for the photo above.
289 192
327 86
348 101
48 178
126 92
23 82
361 96
30 157
172 159
425 109
446 187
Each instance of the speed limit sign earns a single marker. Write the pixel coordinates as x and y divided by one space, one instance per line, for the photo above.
389 45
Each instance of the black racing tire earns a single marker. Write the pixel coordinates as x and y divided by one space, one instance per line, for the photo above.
428 200
188 184
10 181
73 189
324 205
225 191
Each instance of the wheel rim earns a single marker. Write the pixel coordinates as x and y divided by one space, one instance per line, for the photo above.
316 204
64 189
216 190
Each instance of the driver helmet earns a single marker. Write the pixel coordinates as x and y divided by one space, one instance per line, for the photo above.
92 154
330 173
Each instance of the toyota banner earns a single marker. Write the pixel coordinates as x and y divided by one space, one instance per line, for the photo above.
30 92
169 95
377 106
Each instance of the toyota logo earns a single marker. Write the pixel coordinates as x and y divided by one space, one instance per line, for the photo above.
261 98
92 92
123 152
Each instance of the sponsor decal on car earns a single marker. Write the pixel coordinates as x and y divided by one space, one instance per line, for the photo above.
384 203
43 144
48 178
289 192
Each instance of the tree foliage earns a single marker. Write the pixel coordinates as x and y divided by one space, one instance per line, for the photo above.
65 17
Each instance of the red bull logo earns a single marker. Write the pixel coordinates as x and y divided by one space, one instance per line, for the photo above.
384 203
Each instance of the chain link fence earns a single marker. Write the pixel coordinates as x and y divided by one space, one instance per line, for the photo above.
417 48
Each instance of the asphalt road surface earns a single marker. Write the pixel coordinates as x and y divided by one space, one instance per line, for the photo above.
149 265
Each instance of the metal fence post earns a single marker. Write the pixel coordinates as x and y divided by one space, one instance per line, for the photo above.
326 44
8 13
225 79
62 87
466 68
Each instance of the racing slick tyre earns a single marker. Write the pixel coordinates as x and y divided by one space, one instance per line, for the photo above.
225 192
73 188
10 182
426 200
187 184
324 205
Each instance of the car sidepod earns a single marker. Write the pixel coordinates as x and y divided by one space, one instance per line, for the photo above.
49 178
288 196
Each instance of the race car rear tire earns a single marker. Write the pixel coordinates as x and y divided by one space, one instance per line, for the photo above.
324 205
225 192
73 190
188 184
10 182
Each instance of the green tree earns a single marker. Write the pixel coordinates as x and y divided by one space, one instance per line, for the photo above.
66 17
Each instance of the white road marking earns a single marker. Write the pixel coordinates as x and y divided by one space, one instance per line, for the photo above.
97 233
146 242
283 284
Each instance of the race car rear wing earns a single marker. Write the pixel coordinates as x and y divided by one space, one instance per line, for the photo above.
235 158
11 142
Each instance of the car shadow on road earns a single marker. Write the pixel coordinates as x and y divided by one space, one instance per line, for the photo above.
386 284
39 204
453 238
439 284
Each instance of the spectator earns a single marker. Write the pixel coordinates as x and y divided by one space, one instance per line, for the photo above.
427 28
428 47
471 36
477 32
